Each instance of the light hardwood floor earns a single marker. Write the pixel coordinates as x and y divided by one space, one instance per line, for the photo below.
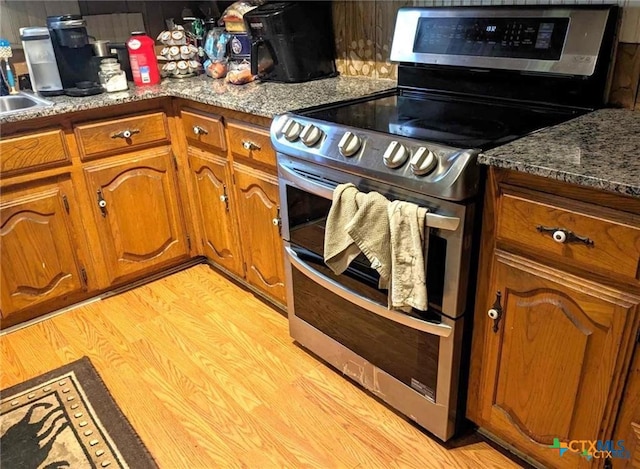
209 377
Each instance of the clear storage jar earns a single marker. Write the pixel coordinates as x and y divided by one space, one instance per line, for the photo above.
112 77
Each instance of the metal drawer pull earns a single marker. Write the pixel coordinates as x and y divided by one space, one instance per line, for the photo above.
199 130
563 236
125 133
249 145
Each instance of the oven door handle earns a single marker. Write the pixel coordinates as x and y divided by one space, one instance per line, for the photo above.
441 330
433 220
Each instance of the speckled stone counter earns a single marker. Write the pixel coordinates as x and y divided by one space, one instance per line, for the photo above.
263 99
600 150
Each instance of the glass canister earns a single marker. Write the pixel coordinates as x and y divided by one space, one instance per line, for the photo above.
112 77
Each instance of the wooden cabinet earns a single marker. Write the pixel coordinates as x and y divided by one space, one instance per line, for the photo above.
553 358
39 150
235 196
556 318
259 220
40 266
138 213
215 207
628 422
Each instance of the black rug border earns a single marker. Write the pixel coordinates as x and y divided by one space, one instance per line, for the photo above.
119 428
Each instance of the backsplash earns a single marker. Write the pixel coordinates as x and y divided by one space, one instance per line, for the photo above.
364 30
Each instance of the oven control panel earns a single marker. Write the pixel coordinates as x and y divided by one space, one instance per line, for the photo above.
427 167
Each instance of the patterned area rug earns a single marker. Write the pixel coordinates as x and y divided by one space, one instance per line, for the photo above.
67 419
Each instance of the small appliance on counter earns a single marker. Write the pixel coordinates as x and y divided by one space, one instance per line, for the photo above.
74 55
41 61
291 41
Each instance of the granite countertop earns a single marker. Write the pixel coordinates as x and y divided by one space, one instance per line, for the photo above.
263 99
600 150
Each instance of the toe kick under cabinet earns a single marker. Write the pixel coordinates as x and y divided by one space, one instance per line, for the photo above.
557 318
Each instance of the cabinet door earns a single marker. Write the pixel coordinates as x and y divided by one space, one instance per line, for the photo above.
553 367
38 259
137 212
258 218
211 176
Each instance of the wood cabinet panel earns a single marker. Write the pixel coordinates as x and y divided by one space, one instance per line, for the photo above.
40 150
108 137
553 366
203 130
251 143
615 249
628 422
38 260
140 225
259 222
215 204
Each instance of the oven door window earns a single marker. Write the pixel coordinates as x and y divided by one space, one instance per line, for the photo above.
307 219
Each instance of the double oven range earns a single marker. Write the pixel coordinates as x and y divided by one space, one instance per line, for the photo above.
469 79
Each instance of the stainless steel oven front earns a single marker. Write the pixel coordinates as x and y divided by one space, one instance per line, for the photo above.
410 360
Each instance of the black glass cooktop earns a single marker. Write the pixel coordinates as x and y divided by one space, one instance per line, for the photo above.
461 123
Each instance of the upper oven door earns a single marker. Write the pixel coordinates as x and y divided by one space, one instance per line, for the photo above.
306 190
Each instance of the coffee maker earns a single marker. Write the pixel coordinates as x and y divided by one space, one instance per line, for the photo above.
291 41
74 55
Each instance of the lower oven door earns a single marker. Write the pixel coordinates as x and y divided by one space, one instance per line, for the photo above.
410 360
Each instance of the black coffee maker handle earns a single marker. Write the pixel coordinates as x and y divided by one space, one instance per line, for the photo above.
255 45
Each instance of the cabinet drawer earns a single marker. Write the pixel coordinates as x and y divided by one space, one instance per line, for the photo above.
33 150
251 143
608 246
204 130
120 135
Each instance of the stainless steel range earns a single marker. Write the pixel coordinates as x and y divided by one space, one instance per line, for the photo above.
469 79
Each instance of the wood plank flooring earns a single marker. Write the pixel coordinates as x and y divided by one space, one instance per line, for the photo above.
209 377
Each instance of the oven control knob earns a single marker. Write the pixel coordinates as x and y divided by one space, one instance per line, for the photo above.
291 130
423 162
395 155
349 144
310 135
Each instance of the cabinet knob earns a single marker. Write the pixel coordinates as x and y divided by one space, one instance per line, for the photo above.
495 312
276 221
249 145
199 130
126 134
224 198
559 236
102 204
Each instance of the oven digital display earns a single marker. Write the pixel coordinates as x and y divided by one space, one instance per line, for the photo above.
521 38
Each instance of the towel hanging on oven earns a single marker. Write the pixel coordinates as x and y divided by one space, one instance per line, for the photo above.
391 236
